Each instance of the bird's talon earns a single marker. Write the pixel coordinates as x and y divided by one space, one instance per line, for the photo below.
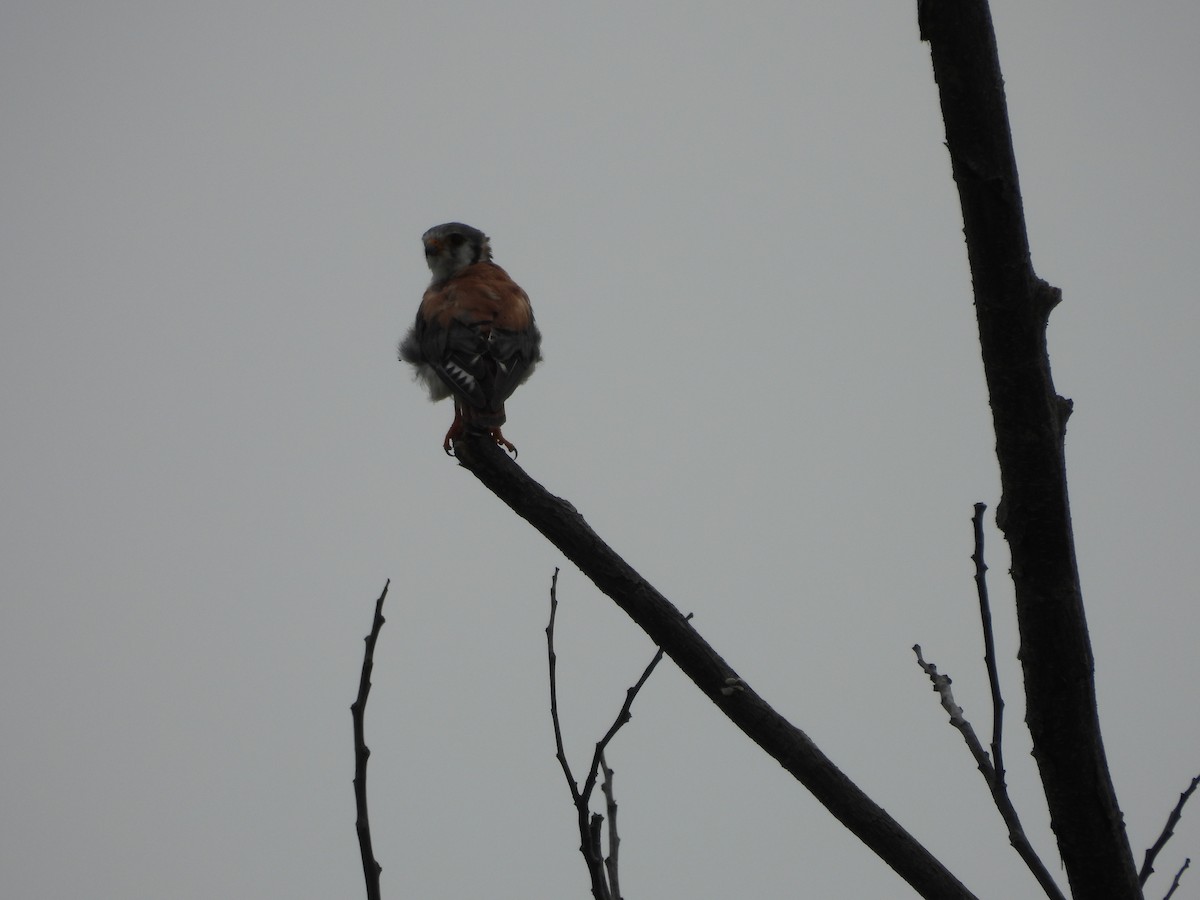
502 441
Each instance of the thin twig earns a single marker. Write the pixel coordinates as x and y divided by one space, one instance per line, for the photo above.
602 872
589 840
611 862
941 684
622 717
1175 884
358 709
1168 830
552 659
999 791
989 646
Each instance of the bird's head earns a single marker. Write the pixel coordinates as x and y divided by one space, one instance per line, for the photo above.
452 247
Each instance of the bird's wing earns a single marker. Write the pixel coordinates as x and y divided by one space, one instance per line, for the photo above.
477 334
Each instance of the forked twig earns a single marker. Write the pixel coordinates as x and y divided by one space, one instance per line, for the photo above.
588 843
991 768
1168 830
358 708
998 789
602 870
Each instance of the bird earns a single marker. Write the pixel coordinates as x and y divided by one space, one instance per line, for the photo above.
474 338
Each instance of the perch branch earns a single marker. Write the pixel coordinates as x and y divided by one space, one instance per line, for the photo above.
669 629
999 791
358 709
1168 830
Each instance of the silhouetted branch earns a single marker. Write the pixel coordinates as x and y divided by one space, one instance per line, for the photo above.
552 659
1013 306
622 717
612 861
998 789
992 769
358 709
669 629
1175 884
601 870
1168 830
588 834
989 645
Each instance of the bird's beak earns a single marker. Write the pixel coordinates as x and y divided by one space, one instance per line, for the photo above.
433 247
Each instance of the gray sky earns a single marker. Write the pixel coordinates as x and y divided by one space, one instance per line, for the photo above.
762 385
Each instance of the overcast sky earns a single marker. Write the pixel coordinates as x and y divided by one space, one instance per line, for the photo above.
762 385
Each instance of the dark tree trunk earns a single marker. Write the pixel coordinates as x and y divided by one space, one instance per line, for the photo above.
1012 306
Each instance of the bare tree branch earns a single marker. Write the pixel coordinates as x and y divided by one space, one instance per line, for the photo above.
552 659
358 709
601 870
1168 830
612 861
993 769
622 717
1175 884
999 791
589 830
1012 307
989 646
669 629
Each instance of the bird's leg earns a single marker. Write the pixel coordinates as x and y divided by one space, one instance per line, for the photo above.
455 432
460 429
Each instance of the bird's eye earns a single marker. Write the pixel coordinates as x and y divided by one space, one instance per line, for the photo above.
455 240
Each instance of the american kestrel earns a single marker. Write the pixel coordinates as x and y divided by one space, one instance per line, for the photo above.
474 338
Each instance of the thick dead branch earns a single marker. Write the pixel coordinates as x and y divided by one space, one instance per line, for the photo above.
999 790
1012 307
668 628
1168 830
358 709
